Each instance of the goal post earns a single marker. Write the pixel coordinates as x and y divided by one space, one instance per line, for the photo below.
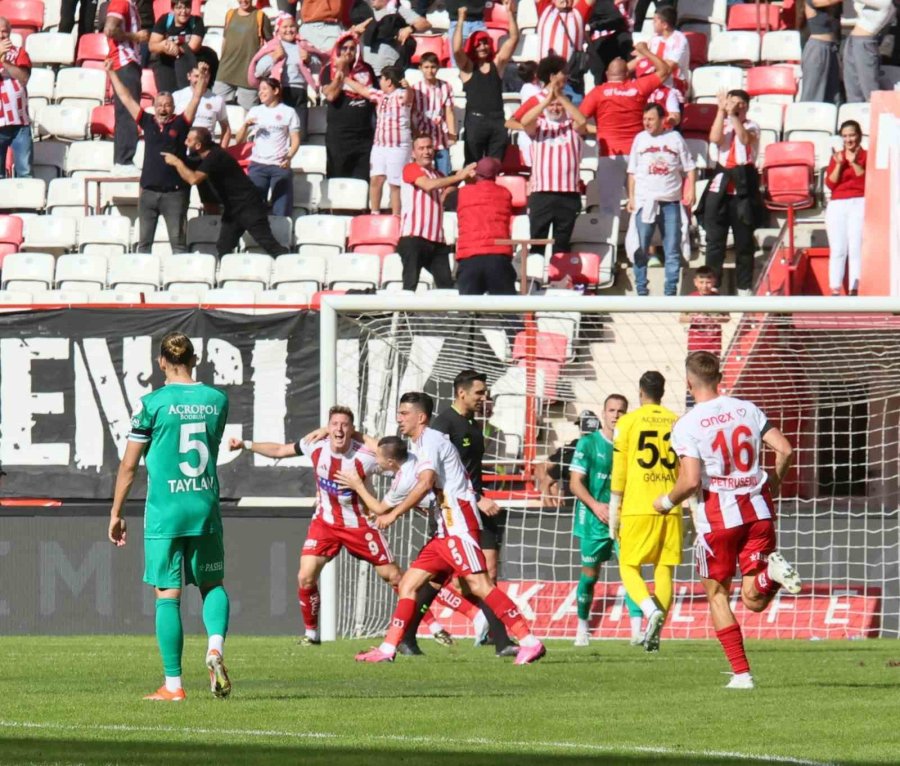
825 370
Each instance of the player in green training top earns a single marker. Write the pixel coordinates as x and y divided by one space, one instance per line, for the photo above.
178 430
589 478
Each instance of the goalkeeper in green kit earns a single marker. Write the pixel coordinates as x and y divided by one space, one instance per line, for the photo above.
178 430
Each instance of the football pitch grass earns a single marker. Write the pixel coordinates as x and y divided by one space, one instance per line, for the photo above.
68 700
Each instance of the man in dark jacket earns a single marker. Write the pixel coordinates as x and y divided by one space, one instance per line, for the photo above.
484 214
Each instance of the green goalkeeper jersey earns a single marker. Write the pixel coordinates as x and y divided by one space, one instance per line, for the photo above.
593 459
182 426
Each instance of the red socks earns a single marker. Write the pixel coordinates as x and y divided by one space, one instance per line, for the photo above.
765 584
453 599
309 606
733 643
406 608
508 613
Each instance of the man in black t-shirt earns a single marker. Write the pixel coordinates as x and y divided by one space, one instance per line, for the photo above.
243 208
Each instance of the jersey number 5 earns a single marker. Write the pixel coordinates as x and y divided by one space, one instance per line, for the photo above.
741 455
645 443
187 444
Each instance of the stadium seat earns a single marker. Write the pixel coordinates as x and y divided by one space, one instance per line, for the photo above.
496 16
299 272
249 271
232 296
50 233
328 230
788 175
862 113
22 194
783 46
595 228
890 77
115 296
357 270
436 44
583 268
528 47
769 116
308 190
79 271
103 120
810 116
89 158
709 11
214 12
288 298
378 230
93 46
63 121
451 76
11 230
775 84
707 81
350 194
66 297
734 47
392 275
754 16
25 16
699 48
697 119
310 159
50 154
41 87
108 230
189 270
134 271
527 15
178 297
203 233
518 187
282 229
66 196
317 123
15 298
549 346
76 86
31 272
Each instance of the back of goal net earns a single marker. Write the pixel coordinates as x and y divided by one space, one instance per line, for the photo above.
828 377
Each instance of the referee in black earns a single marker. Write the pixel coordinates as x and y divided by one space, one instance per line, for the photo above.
459 422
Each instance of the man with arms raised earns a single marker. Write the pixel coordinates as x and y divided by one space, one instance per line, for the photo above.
720 443
455 551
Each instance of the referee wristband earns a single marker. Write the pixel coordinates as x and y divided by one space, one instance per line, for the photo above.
666 502
248 444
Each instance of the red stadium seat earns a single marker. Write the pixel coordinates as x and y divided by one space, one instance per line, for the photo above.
771 80
148 84
373 233
789 175
10 230
513 161
750 16
697 119
25 16
103 120
698 44
92 47
581 268
496 17
241 152
436 44
518 187
496 36
547 373
549 346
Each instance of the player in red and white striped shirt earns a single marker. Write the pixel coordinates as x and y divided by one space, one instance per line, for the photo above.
341 519
432 111
555 127
15 127
560 30
456 550
123 29
422 193
719 443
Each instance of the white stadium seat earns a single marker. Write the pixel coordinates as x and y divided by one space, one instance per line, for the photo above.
65 196
324 251
15 298
50 153
134 271
321 230
299 273
245 270
810 116
707 81
345 194
107 230
30 272
355 270
710 11
310 159
189 269
50 233
49 49
178 298
66 296
22 194
89 158
214 12
226 296
782 45
309 188
288 296
63 121
862 113
115 296
742 47
282 229
80 271
41 86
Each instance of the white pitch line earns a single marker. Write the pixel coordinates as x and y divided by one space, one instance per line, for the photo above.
407 739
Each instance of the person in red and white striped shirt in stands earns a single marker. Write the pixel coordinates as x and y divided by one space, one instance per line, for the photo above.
561 26
432 111
422 194
15 127
555 127
393 136
123 28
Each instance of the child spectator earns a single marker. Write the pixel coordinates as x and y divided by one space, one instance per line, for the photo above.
432 111
704 332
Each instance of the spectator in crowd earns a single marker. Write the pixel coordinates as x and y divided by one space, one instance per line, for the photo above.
432 111
732 198
617 108
174 41
821 65
555 127
862 57
552 475
531 86
286 58
484 214
422 243
243 210
87 12
481 72
393 139
15 126
123 28
846 178
388 38
350 117
276 139
661 176
163 192
560 32
472 22
246 31
210 111
704 331
324 21
610 37
672 47
642 6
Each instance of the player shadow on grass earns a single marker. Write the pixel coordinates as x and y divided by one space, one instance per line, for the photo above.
125 751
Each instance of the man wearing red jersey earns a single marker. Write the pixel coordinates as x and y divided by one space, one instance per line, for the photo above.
720 443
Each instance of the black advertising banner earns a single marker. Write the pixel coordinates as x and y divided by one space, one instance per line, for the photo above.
70 380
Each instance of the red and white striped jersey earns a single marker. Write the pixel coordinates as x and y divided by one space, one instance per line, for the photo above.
404 482
725 435
731 151
335 504
124 53
421 212
556 150
13 95
675 48
558 31
392 118
457 507
429 111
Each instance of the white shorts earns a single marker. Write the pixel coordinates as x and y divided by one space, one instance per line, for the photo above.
389 161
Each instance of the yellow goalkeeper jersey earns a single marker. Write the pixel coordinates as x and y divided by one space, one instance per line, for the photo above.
644 463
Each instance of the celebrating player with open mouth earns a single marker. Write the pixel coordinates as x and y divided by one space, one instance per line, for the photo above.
719 442
455 551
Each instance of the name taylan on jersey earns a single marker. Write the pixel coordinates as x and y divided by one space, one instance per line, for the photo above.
193 484
193 411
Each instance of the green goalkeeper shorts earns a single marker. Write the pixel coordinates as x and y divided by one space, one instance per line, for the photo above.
178 561
596 550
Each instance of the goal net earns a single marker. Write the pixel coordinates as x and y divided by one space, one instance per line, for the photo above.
825 371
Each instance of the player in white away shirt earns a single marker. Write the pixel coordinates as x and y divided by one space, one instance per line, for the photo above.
719 443
455 550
